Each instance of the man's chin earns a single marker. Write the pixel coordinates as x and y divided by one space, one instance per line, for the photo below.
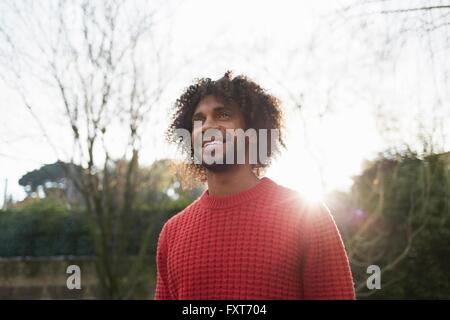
216 167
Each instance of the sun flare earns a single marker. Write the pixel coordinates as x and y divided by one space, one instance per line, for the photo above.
302 176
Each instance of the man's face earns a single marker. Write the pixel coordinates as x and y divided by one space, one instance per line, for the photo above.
214 114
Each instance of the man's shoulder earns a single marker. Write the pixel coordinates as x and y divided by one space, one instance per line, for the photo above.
294 200
286 197
180 216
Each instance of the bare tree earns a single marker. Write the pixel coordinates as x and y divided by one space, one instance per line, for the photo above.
407 41
103 63
371 50
397 38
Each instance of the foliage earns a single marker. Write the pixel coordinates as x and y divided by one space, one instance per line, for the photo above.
48 176
406 227
43 228
46 228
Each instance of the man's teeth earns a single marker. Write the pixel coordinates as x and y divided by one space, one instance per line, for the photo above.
213 143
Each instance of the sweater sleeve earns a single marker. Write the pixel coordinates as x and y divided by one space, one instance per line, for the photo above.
326 270
162 289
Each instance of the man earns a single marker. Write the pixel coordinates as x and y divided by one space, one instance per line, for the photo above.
246 237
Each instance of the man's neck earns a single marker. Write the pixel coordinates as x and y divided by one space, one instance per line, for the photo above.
237 179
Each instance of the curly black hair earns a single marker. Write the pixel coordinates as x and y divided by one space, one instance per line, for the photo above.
260 110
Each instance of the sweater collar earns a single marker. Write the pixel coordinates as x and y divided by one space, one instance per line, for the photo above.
259 189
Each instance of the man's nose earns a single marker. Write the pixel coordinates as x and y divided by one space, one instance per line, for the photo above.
215 129
209 123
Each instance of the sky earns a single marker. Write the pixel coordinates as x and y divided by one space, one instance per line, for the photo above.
298 51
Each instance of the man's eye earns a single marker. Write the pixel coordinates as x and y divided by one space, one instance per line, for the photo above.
198 119
223 114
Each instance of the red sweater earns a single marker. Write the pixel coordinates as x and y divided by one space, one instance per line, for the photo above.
264 243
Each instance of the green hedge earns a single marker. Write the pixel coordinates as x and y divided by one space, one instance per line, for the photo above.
47 229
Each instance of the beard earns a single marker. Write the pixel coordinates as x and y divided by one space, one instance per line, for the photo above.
220 167
223 166
217 167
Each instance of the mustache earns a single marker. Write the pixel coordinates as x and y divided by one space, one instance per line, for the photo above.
217 135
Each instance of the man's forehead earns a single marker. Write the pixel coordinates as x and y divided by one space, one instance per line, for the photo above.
212 102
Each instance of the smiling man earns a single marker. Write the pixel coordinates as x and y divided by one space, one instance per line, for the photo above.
245 237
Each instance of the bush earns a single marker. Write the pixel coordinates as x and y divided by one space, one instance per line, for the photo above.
47 228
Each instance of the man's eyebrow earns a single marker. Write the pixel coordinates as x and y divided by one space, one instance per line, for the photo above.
217 107
198 113
222 107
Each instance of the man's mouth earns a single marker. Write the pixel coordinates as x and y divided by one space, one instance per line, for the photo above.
212 143
213 146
